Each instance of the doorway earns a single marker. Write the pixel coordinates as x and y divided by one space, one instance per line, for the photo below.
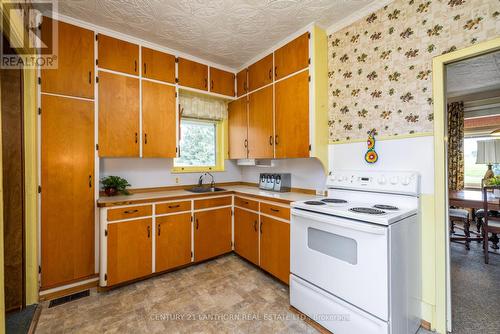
473 132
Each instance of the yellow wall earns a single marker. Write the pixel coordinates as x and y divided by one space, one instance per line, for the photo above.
2 295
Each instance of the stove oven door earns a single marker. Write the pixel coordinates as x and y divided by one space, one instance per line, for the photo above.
344 257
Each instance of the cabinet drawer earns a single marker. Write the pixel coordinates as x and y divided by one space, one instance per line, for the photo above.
212 202
275 210
172 207
246 203
130 212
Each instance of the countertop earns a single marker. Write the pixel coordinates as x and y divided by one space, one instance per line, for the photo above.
153 196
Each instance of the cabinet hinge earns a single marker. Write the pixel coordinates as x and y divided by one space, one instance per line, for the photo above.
232 244
96 36
191 218
39 269
97 62
176 80
191 254
176 59
105 277
232 212
97 147
175 94
97 79
309 78
39 80
309 35
309 147
309 61
39 111
39 189
105 233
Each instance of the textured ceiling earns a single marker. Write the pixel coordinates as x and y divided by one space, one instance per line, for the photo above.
227 32
474 75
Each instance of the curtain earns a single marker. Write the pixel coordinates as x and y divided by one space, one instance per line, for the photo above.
456 145
202 107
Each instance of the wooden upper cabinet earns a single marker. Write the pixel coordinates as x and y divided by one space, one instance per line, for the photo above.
173 241
260 73
292 57
221 82
242 82
192 74
238 129
292 117
275 247
74 75
212 233
118 115
157 65
158 120
260 124
129 250
118 55
246 234
67 204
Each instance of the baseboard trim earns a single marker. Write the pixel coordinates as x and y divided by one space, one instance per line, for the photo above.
65 291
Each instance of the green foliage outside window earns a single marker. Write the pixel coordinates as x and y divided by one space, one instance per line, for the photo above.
197 144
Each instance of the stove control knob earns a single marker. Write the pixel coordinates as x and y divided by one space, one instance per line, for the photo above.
382 180
394 180
406 181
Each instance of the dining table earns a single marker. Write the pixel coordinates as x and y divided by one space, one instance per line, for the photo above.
472 199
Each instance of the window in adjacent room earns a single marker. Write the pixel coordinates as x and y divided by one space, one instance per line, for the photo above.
474 173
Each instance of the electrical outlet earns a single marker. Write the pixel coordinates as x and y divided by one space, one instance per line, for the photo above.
177 180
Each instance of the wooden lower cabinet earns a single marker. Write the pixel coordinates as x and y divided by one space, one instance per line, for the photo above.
173 241
246 234
275 247
129 250
212 233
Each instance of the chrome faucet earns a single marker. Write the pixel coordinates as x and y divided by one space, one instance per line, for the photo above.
212 183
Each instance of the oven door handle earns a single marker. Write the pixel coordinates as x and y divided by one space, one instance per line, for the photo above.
336 221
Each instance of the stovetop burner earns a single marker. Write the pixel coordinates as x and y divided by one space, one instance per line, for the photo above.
334 200
314 203
386 207
370 211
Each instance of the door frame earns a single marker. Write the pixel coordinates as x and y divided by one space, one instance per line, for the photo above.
442 292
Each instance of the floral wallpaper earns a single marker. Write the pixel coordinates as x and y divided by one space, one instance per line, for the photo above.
380 67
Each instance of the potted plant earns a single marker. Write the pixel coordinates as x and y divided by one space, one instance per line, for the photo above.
114 184
495 181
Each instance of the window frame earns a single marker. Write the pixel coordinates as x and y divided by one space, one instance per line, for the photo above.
220 148
477 137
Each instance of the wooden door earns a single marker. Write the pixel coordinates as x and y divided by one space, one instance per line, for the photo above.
173 241
242 82
260 73
158 65
67 211
292 57
275 247
260 124
221 82
129 250
118 55
192 74
74 75
238 129
158 120
212 233
292 117
118 115
246 234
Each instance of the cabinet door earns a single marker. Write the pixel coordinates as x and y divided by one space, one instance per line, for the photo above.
275 247
292 117
242 82
238 129
193 74
246 234
212 233
118 55
118 115
221 82
129 250
260 124
173 241
67 211
158 120
74 75
292 57
260 73
158 65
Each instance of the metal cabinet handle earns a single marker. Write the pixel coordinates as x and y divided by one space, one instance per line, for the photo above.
145 138
245 202
90 181
136 138
130 211
244 86
206 82
149 231
145 68
276 71
260 227
173 206
274 210
197 223
271 140
135 65
159 229
211 84
245 143
255 226
276 140
90 77
270 74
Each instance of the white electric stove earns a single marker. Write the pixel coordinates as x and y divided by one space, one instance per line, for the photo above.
355 255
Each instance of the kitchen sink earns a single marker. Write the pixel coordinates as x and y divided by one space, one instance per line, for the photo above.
204 189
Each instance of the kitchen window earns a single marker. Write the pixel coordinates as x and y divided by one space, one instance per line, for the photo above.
200 145
474 173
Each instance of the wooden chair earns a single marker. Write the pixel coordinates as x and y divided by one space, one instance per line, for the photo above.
462 216
491 224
